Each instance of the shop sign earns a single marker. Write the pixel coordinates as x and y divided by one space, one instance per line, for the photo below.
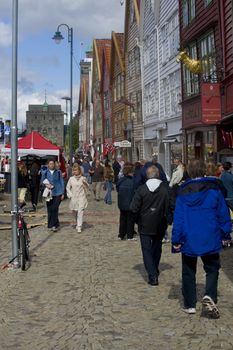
211 103
123 144
191 113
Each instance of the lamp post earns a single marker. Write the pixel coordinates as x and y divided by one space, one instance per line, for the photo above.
58 38
66 98
14 143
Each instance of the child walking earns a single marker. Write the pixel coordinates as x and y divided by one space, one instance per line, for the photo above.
77 188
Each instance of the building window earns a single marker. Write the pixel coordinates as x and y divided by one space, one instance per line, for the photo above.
164 44
114 91
122 85
208 58
119 87
189 11
173 35
166 97
146 51
107 129
191 85
175 96
139 105
106 101
132 12
137 61
207 2
130 63
152 5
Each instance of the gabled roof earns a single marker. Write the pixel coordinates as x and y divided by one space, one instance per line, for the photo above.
137 10
118 47
98 45
106 58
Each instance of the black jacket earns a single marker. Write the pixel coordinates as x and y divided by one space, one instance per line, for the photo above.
152 207
125 189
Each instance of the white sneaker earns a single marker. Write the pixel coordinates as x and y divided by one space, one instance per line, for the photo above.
209 308
132 239
189 311
79 229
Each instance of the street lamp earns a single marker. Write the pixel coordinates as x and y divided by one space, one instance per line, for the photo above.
66 98
58 38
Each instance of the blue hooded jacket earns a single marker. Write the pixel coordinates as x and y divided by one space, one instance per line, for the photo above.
201 219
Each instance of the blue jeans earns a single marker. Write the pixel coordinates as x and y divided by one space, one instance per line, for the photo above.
211 265
108 196
151 252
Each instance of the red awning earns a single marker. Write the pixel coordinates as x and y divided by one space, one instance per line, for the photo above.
35 143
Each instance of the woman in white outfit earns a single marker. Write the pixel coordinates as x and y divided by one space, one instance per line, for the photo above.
77 188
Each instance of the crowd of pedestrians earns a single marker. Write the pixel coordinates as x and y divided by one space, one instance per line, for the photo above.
195 201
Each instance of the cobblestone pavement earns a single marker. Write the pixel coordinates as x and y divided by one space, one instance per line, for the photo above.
89 291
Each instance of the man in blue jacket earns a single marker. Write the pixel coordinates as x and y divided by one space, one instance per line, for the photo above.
201 224
56 183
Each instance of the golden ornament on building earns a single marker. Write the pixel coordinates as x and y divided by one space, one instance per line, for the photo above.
193 65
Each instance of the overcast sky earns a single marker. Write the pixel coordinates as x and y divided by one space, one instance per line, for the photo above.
43 65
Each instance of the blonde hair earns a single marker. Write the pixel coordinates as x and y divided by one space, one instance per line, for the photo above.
76 167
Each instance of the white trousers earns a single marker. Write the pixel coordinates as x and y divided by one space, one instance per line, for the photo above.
79 217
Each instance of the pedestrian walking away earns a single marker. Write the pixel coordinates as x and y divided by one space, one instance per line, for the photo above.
77 189
227 180
97 173
201 224
116 168
125 189
53 181
151 205
35 176
141 176
108 178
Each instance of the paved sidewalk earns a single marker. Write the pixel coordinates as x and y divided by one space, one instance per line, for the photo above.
89 291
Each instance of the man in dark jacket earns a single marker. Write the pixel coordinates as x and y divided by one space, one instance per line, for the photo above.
201 222
151 204
227 180
141 177
125 189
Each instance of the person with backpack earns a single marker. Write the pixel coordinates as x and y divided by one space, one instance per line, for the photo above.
151 206
52 179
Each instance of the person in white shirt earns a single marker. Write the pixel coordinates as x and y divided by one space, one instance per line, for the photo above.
177 174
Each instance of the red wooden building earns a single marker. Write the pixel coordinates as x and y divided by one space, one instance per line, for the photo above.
225 128
201 38
106 96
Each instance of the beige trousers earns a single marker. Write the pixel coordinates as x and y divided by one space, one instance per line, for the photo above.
96 187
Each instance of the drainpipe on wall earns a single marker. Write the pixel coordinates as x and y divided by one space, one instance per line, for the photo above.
158 63
143 91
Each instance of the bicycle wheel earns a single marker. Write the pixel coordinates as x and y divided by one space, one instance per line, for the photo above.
27 240
22 246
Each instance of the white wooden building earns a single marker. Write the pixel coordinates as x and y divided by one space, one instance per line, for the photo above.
161 80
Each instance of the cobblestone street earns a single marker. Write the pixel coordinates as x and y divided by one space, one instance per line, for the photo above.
89 291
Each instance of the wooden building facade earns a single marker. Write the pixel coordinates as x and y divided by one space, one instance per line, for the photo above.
200 35
133 82
117 82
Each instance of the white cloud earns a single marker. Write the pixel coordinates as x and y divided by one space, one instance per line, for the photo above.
34 98
89 18
5 37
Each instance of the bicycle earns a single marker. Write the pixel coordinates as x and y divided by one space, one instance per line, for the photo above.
23 240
